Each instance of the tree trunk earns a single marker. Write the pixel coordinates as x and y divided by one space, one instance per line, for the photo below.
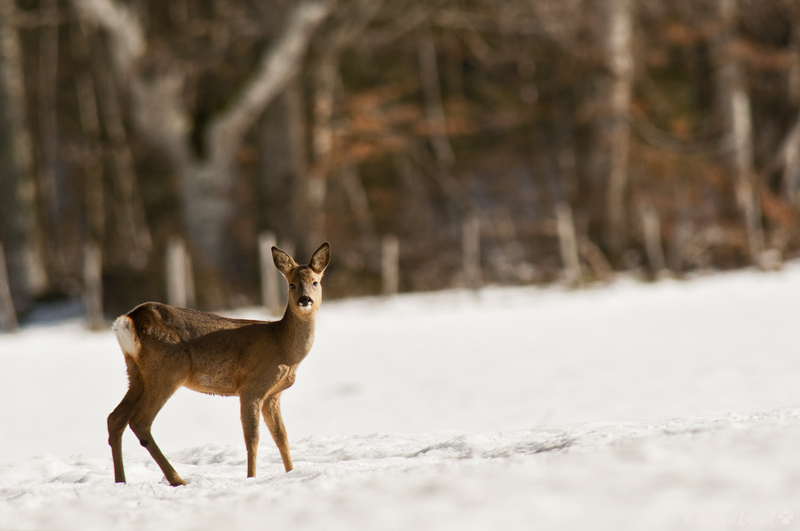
136 241
326 81
596 259
21 232
390 265
180 278
91 159
471 247
791 168
434 114
270 276
568 243
682 232
8 315
48 132
298 153
735 109
159 113
93 285
619 58
357 196
276 173
208 207
316 186
418 212
651 229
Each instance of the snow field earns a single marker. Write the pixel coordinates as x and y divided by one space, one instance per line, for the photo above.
635 406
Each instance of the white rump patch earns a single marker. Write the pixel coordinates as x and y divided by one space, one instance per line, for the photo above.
126 336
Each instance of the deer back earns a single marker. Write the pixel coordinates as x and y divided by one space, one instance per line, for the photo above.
207 352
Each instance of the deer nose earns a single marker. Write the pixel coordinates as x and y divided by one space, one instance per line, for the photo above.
305 300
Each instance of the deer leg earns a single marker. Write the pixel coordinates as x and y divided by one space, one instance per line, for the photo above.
118 421
249 408
272 416
141 422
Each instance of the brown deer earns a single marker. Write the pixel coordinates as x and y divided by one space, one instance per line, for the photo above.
167 347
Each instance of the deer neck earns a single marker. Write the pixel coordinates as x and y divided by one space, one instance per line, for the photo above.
298 335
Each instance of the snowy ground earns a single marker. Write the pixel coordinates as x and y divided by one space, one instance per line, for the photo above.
673 405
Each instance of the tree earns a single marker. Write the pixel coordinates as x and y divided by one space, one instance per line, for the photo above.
157 108
619 57
21 232
735 108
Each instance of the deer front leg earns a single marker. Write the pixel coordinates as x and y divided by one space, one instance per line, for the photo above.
249 409
272 416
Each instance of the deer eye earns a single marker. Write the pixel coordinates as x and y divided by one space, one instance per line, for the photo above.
292 286
315 283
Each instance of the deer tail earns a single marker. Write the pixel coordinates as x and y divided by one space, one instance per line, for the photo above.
126 336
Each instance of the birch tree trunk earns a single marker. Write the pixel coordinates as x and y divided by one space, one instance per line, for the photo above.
8 315
297 134
21 232
568 243
158 110
48 130
316 184
390 265
619 56
735 109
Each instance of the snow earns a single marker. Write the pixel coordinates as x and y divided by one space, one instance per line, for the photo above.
671 405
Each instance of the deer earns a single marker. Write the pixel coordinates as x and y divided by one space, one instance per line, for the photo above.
166 347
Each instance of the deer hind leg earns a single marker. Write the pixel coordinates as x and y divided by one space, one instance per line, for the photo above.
119 418
152 401
272 416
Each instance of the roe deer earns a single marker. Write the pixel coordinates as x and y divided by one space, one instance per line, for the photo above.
166 347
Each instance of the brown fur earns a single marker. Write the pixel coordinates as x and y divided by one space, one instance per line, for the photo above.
254 360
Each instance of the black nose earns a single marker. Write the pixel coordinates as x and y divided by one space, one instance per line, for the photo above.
304 301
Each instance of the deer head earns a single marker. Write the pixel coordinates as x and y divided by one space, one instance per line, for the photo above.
305 288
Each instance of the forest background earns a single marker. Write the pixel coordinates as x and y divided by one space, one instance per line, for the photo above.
575 138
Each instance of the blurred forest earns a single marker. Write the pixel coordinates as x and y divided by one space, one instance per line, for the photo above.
576 137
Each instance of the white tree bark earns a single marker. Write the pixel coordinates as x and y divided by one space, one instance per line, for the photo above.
619 53
277 68
390 265
158 111
735 109
270 276
8 315
651 228
93 285
21 232
568 243
315 186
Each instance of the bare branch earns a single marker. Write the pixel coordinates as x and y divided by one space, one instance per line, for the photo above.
124 29
157 106
278 66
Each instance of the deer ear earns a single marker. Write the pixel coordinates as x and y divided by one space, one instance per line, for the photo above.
320 258
283 261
